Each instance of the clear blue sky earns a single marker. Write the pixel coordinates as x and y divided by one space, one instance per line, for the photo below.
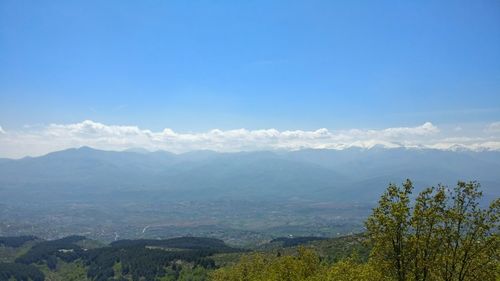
199 65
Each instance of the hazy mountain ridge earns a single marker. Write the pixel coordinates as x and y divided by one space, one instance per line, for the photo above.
356 174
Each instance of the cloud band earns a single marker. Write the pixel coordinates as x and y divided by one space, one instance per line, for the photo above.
54 137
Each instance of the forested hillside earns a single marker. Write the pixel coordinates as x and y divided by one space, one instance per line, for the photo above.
68 259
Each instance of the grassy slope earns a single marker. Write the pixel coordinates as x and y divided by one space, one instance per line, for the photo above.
9 254
74 271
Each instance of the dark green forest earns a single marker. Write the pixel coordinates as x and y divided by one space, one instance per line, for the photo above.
122 260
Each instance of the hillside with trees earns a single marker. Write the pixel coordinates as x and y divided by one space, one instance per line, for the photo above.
439 233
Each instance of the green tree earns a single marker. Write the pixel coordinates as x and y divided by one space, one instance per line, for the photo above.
249 268
389 229
469 236
426 222
444 235
351 270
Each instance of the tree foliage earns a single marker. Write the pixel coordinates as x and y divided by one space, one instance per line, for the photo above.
443 235
305 266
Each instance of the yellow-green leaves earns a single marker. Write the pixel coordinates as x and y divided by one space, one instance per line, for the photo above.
305 266
443 235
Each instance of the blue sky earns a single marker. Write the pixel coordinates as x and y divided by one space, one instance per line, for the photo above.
194 66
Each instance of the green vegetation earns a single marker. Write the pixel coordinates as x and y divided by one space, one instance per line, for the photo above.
16 271
183 258
444 235
441 235
74 271
48 252
305 266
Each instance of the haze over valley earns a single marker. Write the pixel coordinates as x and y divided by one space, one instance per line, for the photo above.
244 197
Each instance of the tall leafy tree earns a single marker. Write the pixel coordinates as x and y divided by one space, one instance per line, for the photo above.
424 238
444 235
469 236
389 229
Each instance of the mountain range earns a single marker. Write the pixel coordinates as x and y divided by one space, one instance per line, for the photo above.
357 175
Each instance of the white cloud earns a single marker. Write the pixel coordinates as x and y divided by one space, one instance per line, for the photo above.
493 127
1 130
35 141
